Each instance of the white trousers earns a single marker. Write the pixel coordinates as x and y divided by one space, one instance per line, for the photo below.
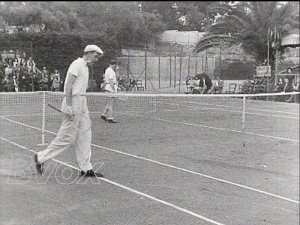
67 136
108 110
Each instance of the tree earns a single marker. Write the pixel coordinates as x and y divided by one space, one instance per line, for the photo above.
252 25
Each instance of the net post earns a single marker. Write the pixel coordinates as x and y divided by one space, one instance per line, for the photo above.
43 120
244 116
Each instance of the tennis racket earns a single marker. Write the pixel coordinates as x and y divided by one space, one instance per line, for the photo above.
122 97
80 117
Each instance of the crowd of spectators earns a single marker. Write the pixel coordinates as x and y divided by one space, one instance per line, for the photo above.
19 73
287 82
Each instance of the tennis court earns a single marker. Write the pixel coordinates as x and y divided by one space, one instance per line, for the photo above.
170 159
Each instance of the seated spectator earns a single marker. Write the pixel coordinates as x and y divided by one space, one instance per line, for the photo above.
287 85
8 70
256 81
197 89
8 84
190 84
295 97
217 86
280 85
122 83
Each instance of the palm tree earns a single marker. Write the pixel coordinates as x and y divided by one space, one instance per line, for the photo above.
257 26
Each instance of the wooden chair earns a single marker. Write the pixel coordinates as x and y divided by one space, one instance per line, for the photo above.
232 88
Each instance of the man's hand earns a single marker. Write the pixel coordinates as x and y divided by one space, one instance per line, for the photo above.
69 111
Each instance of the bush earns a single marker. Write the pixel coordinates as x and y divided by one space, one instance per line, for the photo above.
58 50
234 70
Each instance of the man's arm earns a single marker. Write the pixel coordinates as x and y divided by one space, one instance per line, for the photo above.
70 79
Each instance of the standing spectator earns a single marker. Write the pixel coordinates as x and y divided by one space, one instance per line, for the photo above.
56 83
111 87
44 79
31 65
22 83
205 83
74 102
51 78
45 74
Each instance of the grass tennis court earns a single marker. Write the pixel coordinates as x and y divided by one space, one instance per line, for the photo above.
170 159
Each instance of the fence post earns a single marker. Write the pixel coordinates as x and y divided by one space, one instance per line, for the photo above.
170 67
175 70
180 64
146 66
244 117
159 70
189 64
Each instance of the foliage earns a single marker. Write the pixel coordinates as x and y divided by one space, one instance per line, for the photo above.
58 50
234 70
251 24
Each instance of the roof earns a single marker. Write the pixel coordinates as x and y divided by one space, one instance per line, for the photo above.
291 40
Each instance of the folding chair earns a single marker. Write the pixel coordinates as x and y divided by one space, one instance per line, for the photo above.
232 87
139 85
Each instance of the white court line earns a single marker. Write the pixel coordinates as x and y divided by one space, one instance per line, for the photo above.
169 166
189 124
215 128
128 188
254 109
196 173
201 107
214 178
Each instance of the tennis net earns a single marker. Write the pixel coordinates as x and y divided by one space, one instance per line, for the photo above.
27 115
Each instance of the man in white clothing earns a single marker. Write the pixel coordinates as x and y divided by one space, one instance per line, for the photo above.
74 103
111 86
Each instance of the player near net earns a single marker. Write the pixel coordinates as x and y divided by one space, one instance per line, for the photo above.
111 86
74 103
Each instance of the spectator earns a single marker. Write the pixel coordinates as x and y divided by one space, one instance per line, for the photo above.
190 84
217 86
52 76
56 83
8 84
8 70
205 83
287 85
289 70
280 85
45 74
295 84
31 65
22 84
197 89
44 79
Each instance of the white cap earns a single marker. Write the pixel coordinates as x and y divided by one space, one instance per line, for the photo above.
93 48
